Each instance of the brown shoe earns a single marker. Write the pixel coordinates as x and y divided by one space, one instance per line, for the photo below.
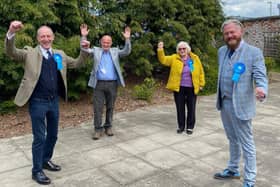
109 131
97 135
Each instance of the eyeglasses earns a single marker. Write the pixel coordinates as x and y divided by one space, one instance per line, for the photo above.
182 49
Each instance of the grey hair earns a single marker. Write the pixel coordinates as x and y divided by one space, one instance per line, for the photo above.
44 26
235 21
185 44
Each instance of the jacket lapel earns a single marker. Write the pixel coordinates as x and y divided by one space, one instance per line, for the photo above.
98 55
38 60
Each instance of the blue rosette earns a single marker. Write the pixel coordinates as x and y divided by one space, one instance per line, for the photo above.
238 69
58 59
190 62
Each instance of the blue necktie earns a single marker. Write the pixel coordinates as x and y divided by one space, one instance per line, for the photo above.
230 53
49 54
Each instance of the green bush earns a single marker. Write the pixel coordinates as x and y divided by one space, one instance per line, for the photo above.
145 90
7 106
276 66
269 63
210 66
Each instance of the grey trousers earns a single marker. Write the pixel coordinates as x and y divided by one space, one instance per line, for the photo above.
105 92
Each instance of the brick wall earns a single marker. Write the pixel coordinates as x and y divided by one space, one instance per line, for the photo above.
262 33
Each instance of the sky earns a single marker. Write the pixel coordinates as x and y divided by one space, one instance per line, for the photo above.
251 8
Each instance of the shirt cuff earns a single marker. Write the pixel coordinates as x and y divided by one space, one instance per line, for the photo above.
10 35
89 50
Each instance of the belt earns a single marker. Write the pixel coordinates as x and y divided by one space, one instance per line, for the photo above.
107 80
48 98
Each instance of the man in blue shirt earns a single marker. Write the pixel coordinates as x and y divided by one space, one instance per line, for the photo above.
105 77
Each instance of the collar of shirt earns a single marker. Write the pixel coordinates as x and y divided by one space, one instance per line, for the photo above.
105 52
44 51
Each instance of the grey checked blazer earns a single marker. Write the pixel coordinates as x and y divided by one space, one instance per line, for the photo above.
116 53
243 96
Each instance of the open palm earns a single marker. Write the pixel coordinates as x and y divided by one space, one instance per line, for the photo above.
84 30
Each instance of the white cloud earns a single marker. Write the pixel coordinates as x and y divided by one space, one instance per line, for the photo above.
250 8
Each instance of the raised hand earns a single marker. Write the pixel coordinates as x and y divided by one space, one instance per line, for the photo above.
160 45
84 29
15 26
127 32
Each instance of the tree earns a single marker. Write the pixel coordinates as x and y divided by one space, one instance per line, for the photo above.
63 16
196 22
168 20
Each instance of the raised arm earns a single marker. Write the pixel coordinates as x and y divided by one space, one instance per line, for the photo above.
10 49
84 52
127 47
127 33
164 60
85 44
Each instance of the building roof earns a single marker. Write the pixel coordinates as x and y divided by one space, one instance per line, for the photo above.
246 19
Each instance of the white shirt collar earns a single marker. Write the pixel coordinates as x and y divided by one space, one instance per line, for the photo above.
44 51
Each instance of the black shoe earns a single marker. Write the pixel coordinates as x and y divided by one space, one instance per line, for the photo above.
179 131
41 178
189 131
51 166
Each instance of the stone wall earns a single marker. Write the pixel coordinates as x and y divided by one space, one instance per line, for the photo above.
262 33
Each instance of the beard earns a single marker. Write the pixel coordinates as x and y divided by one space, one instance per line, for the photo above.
233 43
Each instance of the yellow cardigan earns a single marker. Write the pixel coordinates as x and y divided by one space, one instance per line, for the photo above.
176 67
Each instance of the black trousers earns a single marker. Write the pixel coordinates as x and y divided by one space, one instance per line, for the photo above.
185 97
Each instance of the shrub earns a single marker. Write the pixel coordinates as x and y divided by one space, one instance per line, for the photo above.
145 90
210 66
269 63
7 106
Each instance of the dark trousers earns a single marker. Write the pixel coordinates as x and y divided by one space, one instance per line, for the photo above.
182 98
44 115
104 92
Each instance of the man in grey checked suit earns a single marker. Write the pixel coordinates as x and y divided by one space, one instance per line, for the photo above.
105 77
236 99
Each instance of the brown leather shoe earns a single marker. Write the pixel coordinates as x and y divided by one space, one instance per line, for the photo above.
109 132
97 135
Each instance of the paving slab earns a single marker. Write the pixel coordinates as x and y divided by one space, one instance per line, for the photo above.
146 151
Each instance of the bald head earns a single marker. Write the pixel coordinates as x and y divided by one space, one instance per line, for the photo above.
106 42
44 28
45 36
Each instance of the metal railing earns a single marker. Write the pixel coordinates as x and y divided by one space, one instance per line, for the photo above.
272 44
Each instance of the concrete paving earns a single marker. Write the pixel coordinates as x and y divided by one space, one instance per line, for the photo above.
146 151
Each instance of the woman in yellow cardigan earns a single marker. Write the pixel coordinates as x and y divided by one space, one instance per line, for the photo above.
186 79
